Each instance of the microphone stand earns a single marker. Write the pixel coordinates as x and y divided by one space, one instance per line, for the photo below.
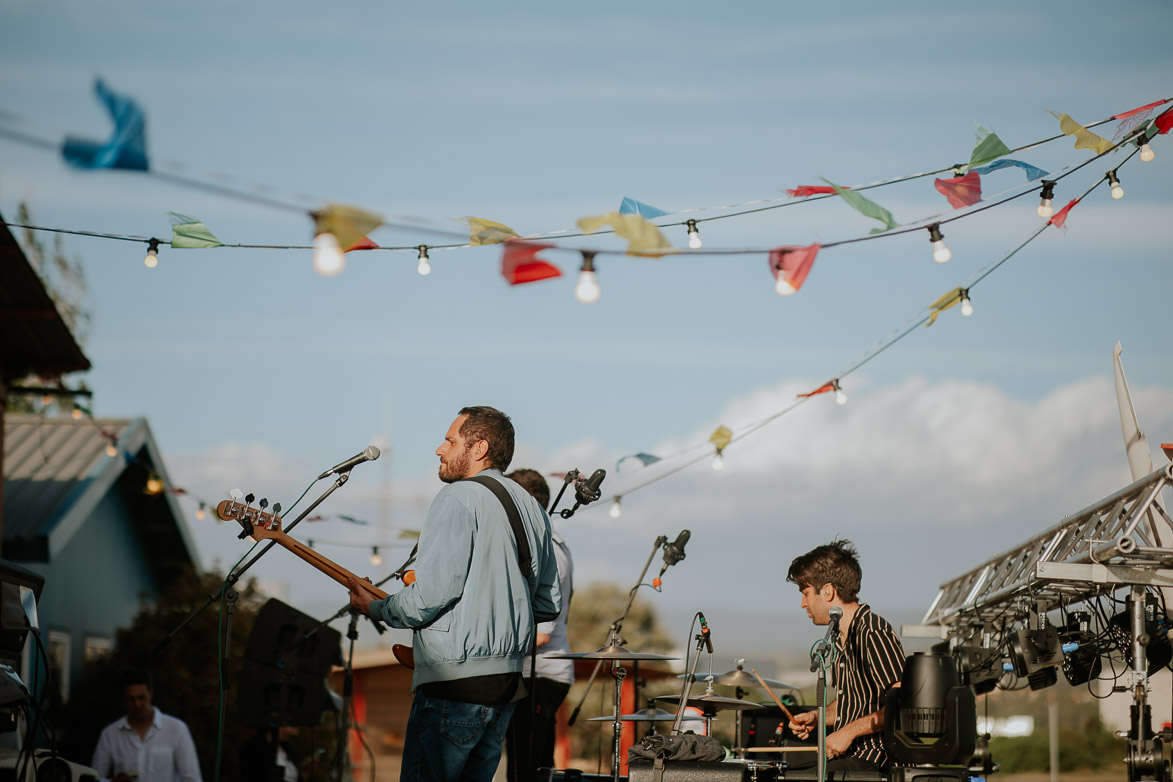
700 645
819 662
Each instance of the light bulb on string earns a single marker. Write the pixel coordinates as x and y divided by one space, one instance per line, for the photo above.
152 259
1146 152
47 399
966 304
719 460
782 285
1046 209
615 511
328 257
76 414
1114 181
376 557
111 451
840 394
424 267
941 251
201 511
694 235
154 484
587 289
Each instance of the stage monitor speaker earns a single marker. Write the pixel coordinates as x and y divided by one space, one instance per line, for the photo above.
269 696
279 638
759 726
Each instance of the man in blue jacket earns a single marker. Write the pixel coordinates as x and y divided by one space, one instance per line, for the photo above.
472 609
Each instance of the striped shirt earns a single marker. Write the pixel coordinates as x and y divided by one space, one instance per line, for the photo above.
871 661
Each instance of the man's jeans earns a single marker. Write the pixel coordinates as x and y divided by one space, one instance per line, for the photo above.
448 741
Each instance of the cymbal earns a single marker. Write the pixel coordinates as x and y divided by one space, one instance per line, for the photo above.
743 679
611 653
709 702
646 715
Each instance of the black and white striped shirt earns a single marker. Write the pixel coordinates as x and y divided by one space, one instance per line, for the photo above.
871 661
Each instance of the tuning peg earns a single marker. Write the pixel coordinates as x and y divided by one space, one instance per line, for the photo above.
276 508
247 527
264 503
236 494
248 498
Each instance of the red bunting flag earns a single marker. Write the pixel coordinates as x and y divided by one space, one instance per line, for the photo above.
1164 121
802 191
1060 217
1135 111
520 264
961 191
790 265
364 243
820 390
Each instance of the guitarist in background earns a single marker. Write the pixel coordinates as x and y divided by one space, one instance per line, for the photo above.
472 608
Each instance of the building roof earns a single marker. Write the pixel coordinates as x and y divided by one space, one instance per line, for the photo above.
33 337
56 472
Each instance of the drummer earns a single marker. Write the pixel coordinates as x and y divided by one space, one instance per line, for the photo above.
869 657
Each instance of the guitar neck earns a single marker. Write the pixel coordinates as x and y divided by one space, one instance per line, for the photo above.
330 568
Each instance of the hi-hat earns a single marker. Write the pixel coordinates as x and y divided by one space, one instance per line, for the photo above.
611 653
645 715
709 702
743 679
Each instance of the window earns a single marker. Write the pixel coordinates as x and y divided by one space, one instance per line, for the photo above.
96 647
57 647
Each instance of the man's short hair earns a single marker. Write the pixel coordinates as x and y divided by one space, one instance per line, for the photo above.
835 563
132 676
492 426
533 482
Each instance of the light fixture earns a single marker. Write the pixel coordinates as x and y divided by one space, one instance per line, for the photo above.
782 285
201 511
941 251
152 259
154 484
76 414
840 394
424 267
719 460
615 511
1146 152
966 304
1114 181
1045 207
328 257
111 451
376 557
586 289
694 236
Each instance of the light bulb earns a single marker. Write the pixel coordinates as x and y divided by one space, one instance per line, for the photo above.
47 399
1146 152
424 267
941 251
154 485
782 285
615 509
587 289
111 451
152 259
376 557
840 395
694 236
1114 181
328 257
201 511
1045 208
76 414
966 304
718 461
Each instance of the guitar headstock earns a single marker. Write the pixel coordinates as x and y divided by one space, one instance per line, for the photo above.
256 522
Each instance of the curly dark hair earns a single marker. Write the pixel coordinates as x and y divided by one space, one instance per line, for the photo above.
495 428
533 482
835 563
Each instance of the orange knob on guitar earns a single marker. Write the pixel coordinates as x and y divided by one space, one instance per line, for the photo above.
409 578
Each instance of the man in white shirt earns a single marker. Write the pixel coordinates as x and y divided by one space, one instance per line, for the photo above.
146 745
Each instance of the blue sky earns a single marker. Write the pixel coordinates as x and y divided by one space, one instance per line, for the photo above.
957 443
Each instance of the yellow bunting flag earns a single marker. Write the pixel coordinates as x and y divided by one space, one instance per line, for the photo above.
349 224
721 437
950 299
481 231
1084 138
643 238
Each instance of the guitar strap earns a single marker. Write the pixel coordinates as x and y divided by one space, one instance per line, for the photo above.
523 553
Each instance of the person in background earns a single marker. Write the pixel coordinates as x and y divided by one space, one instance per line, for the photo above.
146 745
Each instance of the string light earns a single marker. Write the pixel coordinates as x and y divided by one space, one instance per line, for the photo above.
941 251
201 511
1045 207
424 267
328 257
615 511
376 557
1114 181
152 259
966 304
76 414
586 289
782 285
1146 152
840 394
154 484
47 399
719 460
694 235
111 451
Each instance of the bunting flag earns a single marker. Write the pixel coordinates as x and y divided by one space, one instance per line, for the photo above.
820 390
804 191
950 299
520 265
962 191
483 231
1138 110
187 232
349 224
643 238
1084 138
1162 123
364 243
865 207
793 264
989 147
127 146
644 458
1059 219
632 207
1032 172
721 437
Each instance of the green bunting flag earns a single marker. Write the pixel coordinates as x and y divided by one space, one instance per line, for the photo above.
865 207
989 147
188 232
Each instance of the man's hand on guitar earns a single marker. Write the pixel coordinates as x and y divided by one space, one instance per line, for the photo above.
360 599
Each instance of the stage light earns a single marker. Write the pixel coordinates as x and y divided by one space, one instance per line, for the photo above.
1114 181
587 289
694 235
1081 653
328 257
941 251
1045 207
840 394
615 511
966 304
152 259
424 267
376 557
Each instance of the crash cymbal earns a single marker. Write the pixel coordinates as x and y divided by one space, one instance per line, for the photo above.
646 715
611 653
743 679
709 702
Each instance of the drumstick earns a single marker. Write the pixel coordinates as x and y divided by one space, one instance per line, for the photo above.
762 682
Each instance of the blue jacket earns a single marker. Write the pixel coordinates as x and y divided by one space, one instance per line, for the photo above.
470 604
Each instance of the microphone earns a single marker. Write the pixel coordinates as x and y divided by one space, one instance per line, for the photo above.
369 455
586 492
705 634
674 551
824 644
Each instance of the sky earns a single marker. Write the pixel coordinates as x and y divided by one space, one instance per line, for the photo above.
958 442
